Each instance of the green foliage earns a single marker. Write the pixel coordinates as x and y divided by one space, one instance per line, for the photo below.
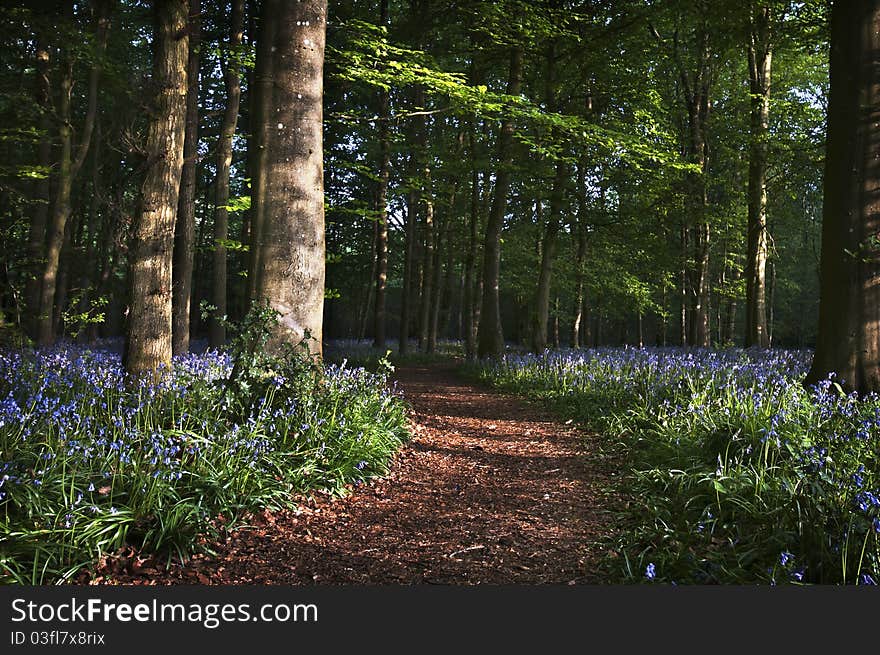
733 472
153 465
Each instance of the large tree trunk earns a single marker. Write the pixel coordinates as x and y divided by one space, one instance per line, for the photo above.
260 119
148 343
232 82
70 162
185 228
291 275
490 342
760 57
848 342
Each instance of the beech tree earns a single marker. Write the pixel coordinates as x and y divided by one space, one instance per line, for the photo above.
148 331
290 245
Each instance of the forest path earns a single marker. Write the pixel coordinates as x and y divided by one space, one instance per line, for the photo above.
489 490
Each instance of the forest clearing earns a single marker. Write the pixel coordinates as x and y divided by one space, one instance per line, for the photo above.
449 293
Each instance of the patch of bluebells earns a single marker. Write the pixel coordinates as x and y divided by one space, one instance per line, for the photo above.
79 442
785 468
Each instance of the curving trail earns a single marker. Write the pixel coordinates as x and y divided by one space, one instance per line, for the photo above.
490 490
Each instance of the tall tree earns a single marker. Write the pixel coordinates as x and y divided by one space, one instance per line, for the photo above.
40 214
381 203
490 338
232 84
70 163
760 54
148 331
185 227
848 342
291 246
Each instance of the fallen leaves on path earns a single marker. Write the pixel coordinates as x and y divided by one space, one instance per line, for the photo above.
490 490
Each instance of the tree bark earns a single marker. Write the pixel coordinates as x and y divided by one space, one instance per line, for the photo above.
760 58
148 343
185 227
848 341
291 247
232 83
490 342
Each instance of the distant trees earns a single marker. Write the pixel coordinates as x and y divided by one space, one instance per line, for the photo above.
579 174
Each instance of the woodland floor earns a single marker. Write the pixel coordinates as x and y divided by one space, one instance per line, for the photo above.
490 490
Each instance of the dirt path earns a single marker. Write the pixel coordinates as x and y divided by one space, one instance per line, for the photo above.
489 490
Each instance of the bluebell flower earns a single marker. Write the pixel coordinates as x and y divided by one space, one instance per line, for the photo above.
650 571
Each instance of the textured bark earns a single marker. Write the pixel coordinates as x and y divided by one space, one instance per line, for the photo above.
70 162
490 342
185 227
148 331
291 247
232 84
760 58
40 214
848 341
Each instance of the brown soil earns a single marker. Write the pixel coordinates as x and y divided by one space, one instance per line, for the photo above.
489 490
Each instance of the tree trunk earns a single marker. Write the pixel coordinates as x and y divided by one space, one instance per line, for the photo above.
580 259
148 343
695 89
417 136
548 254
430 232
40 214
381 204
369 287
292 253
490 335
848 341
185 227
232 83
70 162
760 57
